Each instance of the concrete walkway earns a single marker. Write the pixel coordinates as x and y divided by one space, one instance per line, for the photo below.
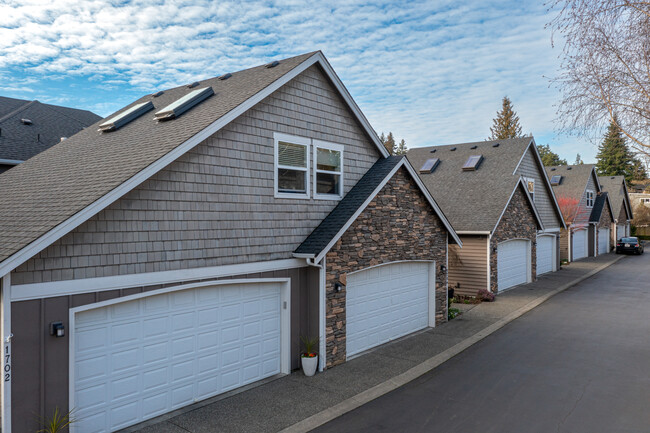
296 403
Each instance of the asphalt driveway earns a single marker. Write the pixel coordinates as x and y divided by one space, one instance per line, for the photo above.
580 362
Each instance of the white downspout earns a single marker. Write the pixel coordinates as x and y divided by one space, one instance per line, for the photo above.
5 332
321 310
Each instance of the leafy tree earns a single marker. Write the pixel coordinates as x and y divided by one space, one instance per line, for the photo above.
506 124
549 158
579 160
401 148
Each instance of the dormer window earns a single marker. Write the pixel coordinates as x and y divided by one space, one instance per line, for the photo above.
291 166
328 170
590 198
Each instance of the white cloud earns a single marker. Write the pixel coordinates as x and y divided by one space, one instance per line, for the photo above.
432 72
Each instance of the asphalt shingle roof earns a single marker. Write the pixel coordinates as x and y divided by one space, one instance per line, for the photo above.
334 222
613 185
472 200
90 164
49 124
599 205
574 179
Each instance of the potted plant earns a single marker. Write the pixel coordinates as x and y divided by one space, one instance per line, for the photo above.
309 358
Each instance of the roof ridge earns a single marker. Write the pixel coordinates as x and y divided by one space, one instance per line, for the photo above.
18 110
56 108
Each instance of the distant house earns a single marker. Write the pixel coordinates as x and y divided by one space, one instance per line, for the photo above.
180 249
586 209
622 207
30 127
497 197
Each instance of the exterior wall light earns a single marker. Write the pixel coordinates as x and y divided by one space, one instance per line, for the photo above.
57 329
338 287
443 268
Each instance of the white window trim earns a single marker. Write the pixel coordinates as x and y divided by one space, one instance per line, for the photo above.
331 146
530 179
303 141
592 199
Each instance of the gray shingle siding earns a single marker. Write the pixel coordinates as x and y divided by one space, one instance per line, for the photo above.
543 200
215 205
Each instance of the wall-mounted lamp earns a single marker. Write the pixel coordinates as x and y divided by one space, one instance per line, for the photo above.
338 287
57 329
534 243
443 268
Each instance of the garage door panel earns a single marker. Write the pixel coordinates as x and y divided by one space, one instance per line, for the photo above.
580 248
512 263
385 303
545 253
173 352
603 241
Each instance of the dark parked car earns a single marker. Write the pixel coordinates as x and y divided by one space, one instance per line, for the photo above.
629 245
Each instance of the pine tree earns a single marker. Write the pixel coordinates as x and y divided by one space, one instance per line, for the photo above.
401 148
639 171
389 143
579 160
549 158
614 158
506 124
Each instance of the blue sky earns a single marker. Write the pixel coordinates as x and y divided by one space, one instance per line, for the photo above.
433 72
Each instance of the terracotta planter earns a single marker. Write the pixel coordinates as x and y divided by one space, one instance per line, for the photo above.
309 365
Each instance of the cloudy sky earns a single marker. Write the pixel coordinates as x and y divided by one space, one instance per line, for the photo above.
433 72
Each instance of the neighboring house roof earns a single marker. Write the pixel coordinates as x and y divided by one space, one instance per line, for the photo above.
320 241
574 179
48 125
600 202
474 201
92 169
617 196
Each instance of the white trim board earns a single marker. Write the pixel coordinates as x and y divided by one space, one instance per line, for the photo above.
6 335
24 292
285 320
65 227
10 161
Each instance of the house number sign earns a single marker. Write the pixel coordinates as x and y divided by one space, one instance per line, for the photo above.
7 367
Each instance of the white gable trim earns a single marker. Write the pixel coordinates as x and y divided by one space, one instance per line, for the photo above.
10 161
628 205
60 230
530 201
404 162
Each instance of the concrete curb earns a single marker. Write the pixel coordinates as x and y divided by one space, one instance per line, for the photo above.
413 373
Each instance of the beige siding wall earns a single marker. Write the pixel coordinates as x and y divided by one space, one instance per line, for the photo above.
468 265
215 205
543 198
564 244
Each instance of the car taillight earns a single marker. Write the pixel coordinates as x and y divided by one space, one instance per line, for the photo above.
636 245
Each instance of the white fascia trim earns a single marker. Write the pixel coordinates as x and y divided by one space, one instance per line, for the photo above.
89 211
431 201
357 213
353 105
304 255
24 292
10 161
520 182
547 182
550 230
470 232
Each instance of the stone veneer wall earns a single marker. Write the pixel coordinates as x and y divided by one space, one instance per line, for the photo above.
518 221
606 221
399 224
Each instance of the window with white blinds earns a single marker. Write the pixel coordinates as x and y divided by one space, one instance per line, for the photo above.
291 166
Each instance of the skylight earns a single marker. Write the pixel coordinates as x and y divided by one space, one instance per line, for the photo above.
125 117
188 101
473 162
556 179
429 166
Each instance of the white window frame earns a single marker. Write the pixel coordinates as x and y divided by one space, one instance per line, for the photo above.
330 146
530 179
589 196
293 139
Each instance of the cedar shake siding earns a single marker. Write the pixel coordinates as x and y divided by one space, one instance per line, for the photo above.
543 198
518 222
215 205
468 265
40 362
398 224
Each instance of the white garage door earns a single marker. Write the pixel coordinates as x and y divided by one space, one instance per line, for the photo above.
142 358
545 249
620 231
513 263
580 244
603 241
386 302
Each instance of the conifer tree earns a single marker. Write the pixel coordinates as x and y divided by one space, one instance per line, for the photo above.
401 148
549 158
389 143
506 124
579 160
614 157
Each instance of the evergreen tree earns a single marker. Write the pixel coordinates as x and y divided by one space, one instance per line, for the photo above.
506 124
614 158
401 148
390 143
549 158
579 160
639 171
